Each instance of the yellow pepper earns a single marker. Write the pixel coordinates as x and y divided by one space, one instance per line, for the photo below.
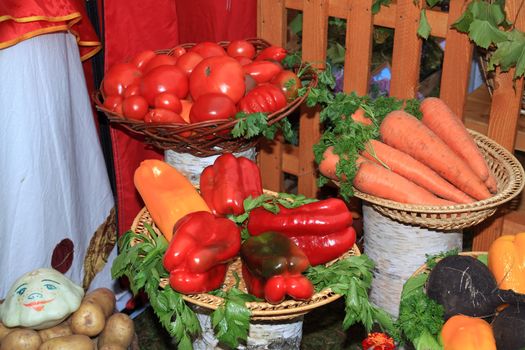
167 194
467 333
506 260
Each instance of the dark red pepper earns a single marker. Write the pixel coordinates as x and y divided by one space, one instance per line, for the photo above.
272 53
228 182
272 267
321 229
198 253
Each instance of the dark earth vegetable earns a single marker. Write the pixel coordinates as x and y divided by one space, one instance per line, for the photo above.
509 328
464 285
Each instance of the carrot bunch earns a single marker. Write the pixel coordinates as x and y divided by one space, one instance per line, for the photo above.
428 161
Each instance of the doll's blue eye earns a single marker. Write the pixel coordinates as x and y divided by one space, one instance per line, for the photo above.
50 286
21 291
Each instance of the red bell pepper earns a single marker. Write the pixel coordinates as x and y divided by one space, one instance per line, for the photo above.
199 251
272 267
228 182
321 229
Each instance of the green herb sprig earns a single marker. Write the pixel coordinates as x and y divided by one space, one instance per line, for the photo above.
352 278
140 259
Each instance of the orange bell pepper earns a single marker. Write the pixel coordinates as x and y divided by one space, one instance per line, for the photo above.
506 260
167 194
467 333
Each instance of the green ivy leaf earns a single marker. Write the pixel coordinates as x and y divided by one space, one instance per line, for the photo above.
376 5
483 33
510 53
433 3
463 23
296 25
424 27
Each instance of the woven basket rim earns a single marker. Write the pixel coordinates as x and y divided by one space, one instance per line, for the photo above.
513 188
424 267
259 310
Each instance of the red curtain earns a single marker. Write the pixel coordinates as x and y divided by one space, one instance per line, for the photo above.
132 26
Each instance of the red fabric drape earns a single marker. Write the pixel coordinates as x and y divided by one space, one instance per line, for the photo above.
132 26
21 20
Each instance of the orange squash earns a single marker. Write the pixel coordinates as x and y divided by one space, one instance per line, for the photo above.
467 333
167 194
506 261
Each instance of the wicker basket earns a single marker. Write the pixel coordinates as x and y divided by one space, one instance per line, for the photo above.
509 175
424 267
260 311
207 138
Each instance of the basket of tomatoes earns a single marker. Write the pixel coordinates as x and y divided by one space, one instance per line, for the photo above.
191 98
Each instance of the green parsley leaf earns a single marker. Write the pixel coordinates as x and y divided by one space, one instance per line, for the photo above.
423 29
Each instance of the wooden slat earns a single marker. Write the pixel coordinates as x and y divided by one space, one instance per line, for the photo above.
503 122
406 56
358 55
314 44
385 17
271 26
456 63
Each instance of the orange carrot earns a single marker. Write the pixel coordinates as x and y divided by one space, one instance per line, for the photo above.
360 117
381 182
439 118
415 171
406 133
492 184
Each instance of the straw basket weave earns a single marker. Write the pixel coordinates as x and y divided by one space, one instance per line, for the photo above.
509 175
207 138
260 311
424 267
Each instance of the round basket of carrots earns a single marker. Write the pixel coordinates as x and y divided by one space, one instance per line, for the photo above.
417 163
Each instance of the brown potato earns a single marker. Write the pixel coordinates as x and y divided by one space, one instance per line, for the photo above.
112 347
4 331
69 342
61 330
21 339
105 298
119 330
88 320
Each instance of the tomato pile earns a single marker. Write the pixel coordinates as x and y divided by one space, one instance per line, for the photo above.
205 82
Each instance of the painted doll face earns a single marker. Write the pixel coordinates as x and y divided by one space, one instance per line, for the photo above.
40 298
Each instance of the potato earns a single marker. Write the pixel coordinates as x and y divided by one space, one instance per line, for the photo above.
21 339
61 330
103 297
119 330
88 320
112 347
4 331
69 342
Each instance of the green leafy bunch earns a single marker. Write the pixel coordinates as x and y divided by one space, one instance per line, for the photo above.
348 137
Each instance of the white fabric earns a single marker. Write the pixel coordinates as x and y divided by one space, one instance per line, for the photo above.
53 180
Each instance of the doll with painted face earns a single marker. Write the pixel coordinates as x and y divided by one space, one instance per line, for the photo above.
40 299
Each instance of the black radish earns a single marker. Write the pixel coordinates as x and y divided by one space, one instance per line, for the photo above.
509 328
464 285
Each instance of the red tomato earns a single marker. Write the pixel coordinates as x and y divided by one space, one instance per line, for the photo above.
288 82
132 90
208 49
159 60
164 116
134 107
243 60
265 98
262 71
168 101
186 108
272 53
212 106
188 61
142 58
241 48
164 79
221 74
113 103
178 51
119 77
